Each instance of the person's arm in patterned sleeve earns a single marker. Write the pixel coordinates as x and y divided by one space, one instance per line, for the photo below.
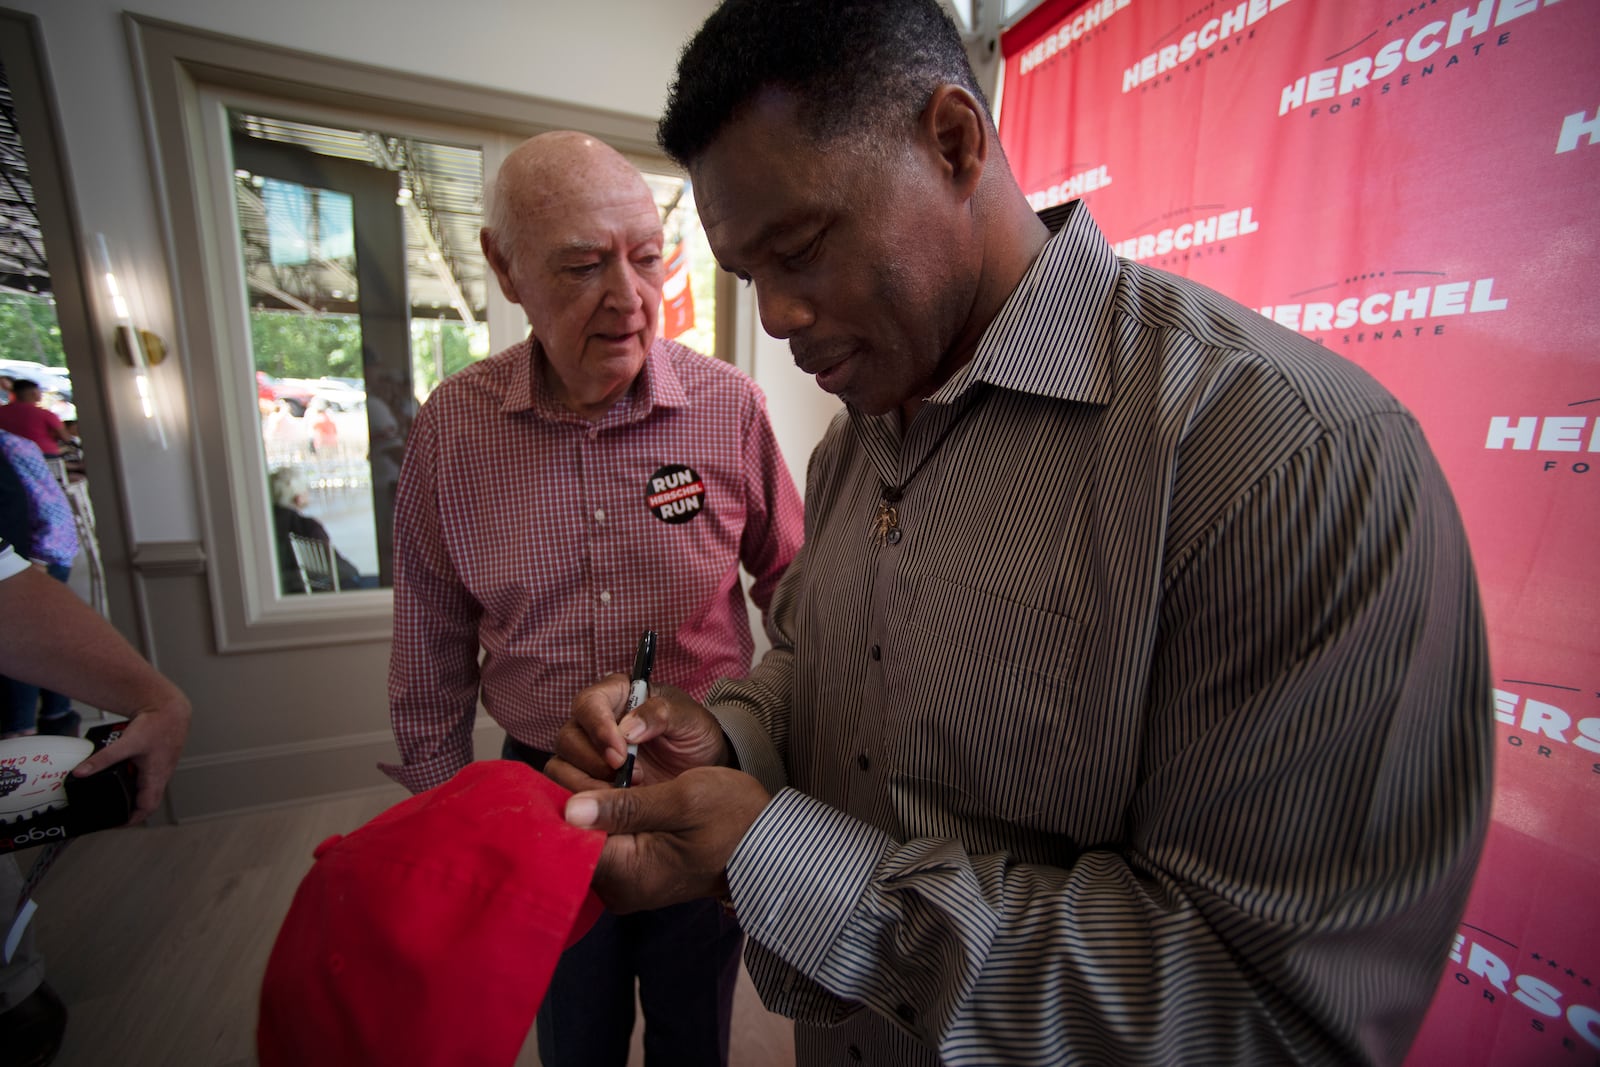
50 638
433 662
55 535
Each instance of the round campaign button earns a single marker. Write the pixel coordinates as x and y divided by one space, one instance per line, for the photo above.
675 493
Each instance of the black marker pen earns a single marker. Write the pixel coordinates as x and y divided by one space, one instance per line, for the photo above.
643 660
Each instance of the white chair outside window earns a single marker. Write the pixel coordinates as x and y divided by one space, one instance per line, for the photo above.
318 568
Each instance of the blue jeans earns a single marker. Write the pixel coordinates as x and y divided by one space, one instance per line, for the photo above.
686 961
25 704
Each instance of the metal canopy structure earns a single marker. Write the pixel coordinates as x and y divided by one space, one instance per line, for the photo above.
439 190
22 261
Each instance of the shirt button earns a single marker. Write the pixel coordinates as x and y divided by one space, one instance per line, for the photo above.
854 1053
893 536
877 653
605 598
599 514
906 1014
863 762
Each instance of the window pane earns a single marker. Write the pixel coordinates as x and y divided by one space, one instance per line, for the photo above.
345 232
30 347
30 336
689 298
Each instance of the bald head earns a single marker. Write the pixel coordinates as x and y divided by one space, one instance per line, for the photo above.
574 239
552 176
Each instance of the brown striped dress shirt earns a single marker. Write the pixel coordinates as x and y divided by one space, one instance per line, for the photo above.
1162 734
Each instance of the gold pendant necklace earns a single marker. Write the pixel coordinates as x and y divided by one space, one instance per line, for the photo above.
886 523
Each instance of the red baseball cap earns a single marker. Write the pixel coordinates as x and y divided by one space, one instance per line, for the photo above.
429 935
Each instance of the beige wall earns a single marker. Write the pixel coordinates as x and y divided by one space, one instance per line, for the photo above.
274 727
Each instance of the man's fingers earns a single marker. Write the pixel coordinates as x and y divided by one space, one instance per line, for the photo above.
575 746
668 843
574 778
622 880
603 701
648 720
590 739
583 811
696 797
150 741
617 811
150 784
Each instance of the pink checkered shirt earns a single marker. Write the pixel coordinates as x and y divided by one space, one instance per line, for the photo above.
552 543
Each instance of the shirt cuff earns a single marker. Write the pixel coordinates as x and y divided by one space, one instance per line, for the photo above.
798 875
420 777
752 747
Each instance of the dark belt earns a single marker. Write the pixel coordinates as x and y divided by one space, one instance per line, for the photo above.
533 757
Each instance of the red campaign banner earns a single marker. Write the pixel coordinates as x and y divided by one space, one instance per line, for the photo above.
1411 183
1518 986
677 301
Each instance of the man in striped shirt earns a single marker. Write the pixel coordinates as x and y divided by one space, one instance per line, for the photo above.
1130 702
556 501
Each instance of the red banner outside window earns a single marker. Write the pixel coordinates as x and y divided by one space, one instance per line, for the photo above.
677 302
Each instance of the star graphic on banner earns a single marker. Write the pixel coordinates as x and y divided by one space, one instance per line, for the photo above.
1423 7
1537 956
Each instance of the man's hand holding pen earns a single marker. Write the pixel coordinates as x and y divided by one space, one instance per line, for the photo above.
672 834
673 732
671 842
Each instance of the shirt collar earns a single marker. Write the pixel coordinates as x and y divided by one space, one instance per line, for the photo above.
1051 337
658 385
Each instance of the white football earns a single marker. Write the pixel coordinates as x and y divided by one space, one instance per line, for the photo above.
33 773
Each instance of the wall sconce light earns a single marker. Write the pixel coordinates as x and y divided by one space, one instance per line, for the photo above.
138 347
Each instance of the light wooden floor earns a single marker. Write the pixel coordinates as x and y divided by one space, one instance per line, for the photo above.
156 937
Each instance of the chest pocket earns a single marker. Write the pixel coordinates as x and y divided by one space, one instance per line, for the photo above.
987 703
